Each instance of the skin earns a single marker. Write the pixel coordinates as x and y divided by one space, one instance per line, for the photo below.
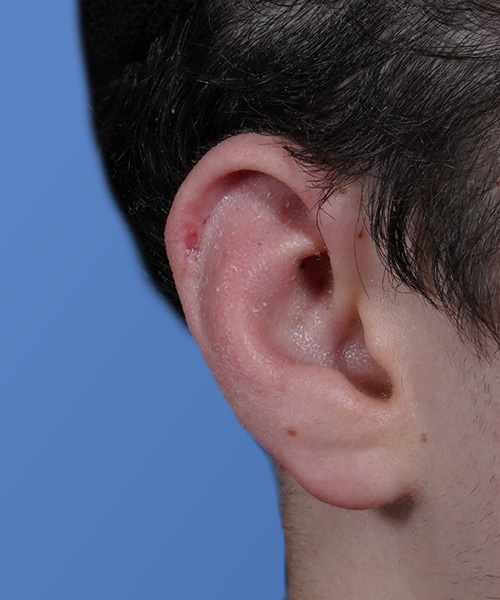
382 420
445 543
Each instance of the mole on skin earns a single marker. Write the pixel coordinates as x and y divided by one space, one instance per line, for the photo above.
423 438
291 431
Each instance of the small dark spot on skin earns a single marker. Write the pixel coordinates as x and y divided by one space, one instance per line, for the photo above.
361 234
291 431
423 438
302 265
205 221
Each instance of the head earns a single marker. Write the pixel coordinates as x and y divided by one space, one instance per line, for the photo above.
314 185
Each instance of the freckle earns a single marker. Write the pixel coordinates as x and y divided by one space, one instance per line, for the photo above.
423 438
191 239
342 191
361 234
291 431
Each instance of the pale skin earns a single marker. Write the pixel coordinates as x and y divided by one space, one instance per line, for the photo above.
383 421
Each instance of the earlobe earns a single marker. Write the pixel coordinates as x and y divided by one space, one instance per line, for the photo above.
275 305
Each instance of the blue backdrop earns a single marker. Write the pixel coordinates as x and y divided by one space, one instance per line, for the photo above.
123 473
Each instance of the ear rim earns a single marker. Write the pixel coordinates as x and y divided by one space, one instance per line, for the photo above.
265 154
242 152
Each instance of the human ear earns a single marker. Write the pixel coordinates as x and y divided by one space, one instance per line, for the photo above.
289 309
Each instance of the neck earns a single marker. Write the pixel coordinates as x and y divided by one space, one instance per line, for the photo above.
338 554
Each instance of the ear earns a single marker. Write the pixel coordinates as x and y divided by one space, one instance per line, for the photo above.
288 307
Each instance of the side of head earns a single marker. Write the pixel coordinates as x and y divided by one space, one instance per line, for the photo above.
329 173
366 396
352 87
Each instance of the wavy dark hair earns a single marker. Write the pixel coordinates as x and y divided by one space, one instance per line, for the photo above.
408 91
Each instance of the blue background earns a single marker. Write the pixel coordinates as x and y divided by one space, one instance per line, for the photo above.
123 473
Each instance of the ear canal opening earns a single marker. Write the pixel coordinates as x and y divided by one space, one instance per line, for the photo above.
316 273
352 358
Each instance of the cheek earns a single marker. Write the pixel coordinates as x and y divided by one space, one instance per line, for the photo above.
458 403
455 397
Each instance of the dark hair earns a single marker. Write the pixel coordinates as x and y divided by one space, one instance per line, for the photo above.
406 91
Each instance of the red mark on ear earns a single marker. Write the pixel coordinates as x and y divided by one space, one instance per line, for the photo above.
191 239
291 431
